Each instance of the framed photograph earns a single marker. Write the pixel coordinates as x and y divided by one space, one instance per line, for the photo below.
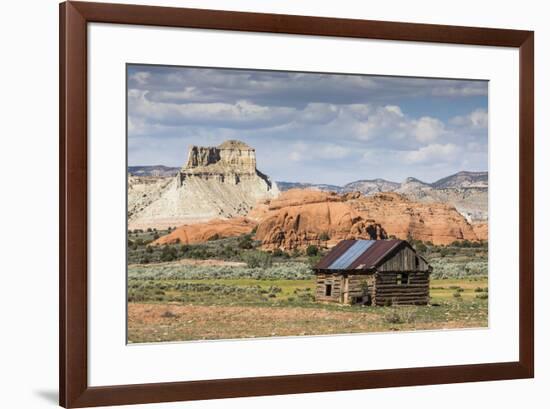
259 204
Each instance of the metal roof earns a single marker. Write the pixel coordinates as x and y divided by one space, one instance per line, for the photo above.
357 254
351 254
334 254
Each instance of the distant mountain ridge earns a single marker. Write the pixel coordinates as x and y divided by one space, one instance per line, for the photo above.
154 170
463 180
460 180
297 185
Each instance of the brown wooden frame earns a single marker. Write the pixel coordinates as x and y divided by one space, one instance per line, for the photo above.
73 381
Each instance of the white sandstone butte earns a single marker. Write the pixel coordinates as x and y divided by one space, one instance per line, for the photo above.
216 183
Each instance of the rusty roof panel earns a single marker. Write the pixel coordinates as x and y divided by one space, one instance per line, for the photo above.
351 254
334 254
376 252
357 254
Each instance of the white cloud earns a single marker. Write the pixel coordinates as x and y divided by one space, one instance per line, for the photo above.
317 113
477 119
394 109
313 151
436 153
295 156
391 124
141 77
428 129
461 89
241 114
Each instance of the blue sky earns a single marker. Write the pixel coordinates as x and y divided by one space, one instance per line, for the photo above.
311 127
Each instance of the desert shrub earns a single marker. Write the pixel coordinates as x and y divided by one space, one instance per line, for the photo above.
168 254
312 261
324 236
258 259
149 230
458 268
246 242
421 247
482 296
168 314
312 250
280 253
400 315
478 290
278 271
149 249
145 260
274 289
456 294
216 236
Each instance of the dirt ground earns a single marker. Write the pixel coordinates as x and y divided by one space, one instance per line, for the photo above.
148 322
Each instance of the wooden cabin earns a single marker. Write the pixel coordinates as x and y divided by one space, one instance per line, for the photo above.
373 272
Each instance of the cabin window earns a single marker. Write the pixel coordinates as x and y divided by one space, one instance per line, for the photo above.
328 290
402 279
417 262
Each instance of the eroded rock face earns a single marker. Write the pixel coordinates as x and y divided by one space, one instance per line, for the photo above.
298 218
216 183
481 230
439 223
212 230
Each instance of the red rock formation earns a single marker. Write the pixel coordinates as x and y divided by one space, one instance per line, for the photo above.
481 230
202 232
436 222
298 218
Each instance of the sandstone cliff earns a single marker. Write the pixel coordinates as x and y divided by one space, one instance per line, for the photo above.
436 222
216 182
298 218
307 217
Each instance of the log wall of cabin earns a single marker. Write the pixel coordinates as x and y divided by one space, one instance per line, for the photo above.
346 288
387 291
322 280
406 263
404 260
360 285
